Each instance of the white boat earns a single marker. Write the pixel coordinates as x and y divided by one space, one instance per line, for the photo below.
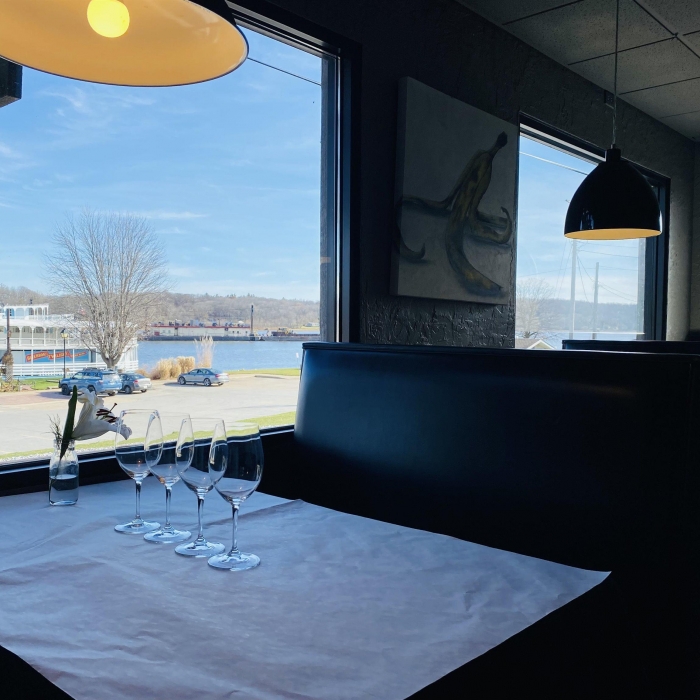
40 350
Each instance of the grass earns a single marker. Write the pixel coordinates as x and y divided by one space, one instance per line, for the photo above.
287 372
42 383
274 421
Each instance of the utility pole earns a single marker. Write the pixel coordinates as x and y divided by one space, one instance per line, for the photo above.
573 289
251 321
595 303
7 358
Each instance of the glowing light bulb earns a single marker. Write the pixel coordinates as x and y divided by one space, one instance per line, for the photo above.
109 18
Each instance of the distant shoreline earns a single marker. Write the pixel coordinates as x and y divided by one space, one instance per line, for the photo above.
239 339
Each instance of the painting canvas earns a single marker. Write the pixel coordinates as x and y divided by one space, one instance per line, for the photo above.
455 199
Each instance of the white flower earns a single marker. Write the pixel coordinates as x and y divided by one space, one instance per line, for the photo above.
95 419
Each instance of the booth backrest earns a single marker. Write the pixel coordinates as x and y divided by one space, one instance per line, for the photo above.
677 347
579 458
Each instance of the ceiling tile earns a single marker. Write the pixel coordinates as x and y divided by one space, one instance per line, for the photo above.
682 15
687 124
647 66
693 40
668 100
587 29
500 11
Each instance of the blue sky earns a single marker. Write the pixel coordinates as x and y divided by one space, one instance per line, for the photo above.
227 172
543 253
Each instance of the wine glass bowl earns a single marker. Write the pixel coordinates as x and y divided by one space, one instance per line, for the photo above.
207 432
236 472
136 455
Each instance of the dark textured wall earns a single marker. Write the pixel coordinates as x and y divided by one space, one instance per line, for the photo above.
695 270
449 48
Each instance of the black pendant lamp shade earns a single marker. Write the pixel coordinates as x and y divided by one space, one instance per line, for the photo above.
615 201
149 43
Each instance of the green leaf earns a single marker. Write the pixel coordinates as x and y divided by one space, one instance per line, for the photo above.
70 422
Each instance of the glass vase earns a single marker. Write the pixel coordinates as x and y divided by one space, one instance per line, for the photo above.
63 476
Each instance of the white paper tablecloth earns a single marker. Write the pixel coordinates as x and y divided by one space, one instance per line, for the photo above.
341 606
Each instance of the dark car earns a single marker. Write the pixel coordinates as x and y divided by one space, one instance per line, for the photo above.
203 376
101 381
135 382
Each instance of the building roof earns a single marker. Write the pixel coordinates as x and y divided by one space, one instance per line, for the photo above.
532 344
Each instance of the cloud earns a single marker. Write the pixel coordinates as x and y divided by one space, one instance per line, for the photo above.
170 215
8 152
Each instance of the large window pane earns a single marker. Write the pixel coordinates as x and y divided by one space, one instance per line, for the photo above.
567 288
227 176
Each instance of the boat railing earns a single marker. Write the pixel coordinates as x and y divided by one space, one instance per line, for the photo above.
27 340
55 369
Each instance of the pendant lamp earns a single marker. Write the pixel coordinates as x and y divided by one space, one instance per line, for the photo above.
145 43
615 200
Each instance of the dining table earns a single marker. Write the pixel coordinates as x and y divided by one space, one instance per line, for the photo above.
341 606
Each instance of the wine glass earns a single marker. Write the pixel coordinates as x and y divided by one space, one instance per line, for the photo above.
176 430
236 477
136 455
207 440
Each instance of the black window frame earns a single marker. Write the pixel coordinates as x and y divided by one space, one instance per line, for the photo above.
340 196
656 250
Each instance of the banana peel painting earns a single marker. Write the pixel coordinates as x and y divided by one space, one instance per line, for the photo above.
459 245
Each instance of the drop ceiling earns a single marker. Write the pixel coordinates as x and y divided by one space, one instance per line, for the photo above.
659 59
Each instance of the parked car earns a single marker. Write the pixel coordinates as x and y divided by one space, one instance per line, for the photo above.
135 382
203 376
101 381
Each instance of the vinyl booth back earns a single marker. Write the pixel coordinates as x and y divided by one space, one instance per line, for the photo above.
586 459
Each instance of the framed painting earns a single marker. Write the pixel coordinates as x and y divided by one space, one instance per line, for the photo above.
455 199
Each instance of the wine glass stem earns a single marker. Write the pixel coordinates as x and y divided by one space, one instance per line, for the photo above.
138 502
200 508
234 547
168 493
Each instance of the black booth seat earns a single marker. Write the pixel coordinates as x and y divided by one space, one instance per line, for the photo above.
587 459
678 347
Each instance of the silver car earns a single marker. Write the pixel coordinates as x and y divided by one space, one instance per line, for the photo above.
135 382
203 376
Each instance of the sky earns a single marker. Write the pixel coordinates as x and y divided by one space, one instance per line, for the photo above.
545 189
227 172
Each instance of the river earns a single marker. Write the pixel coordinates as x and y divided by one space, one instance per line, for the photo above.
228 355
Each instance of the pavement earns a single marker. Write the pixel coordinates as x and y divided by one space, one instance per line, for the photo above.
24 417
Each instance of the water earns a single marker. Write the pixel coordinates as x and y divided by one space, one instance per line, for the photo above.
64 489
228 355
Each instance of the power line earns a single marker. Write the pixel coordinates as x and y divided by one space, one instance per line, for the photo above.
613 255
552 162
281 70
583 286
535 274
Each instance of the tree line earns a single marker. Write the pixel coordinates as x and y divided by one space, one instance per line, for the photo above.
109 270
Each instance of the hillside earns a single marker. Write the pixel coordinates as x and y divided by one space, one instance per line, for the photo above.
269 313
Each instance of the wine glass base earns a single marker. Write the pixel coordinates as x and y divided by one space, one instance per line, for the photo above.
200 549
134 528
235 562
168 536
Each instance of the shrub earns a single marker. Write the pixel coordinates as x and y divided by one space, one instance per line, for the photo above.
185 364
204 349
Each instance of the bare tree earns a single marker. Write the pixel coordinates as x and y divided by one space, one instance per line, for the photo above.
531 318
113 266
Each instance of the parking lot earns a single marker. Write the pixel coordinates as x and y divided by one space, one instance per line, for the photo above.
24 417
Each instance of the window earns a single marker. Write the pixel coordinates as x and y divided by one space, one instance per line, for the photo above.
242 181
565 288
